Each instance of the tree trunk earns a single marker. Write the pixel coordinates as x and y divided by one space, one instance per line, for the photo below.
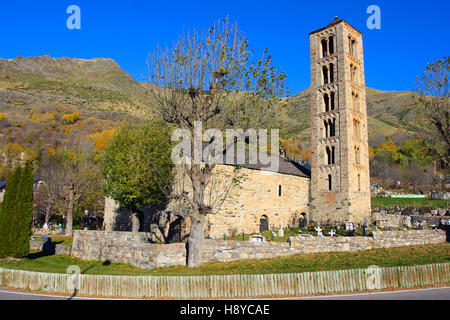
69 216
195 244
134 221
47 215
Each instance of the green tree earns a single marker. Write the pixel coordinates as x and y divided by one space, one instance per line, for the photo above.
137 166
7 212
23 217
16 213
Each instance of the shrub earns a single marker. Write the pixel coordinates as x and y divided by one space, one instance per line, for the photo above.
16 213
71 118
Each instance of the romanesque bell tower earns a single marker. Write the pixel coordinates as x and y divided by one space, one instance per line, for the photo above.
340 177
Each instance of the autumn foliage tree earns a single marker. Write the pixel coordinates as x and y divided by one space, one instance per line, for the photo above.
433 108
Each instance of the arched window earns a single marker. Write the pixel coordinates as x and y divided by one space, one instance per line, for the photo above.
326 101
357 155
355 75
353 48
328 151
330 183
325 74
331 72
350 45
324 48
332 100
333 160
351 72
356 129
330 155
333 128
331 44
325 124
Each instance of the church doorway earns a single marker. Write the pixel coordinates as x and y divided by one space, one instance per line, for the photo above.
175 230
263 224
302 222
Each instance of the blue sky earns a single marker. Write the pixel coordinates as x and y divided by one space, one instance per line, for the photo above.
412 33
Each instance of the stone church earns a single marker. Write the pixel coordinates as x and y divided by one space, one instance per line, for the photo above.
334 188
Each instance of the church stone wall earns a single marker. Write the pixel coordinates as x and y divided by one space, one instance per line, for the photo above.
282 198
257 195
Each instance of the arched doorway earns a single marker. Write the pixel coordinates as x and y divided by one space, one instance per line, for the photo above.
175 230
302 222
263 223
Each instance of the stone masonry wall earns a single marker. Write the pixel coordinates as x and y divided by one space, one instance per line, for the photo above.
340 188
258 195
135 249
50 247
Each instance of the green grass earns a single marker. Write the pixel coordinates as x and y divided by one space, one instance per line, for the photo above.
420 202
404 256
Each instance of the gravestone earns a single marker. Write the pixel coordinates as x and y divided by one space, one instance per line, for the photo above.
349 226
319 231
281 231
257 238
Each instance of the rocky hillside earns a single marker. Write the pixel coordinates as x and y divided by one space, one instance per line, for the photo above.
100 88
90 85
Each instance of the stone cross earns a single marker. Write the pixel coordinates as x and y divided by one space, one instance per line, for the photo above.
281 231
319 231
332 233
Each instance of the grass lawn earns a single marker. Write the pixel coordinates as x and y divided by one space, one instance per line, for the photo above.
410 202
404 256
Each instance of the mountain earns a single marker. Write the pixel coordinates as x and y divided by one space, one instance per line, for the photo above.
100 88
95 84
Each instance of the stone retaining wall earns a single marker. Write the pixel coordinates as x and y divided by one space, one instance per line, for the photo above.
135 249
50 247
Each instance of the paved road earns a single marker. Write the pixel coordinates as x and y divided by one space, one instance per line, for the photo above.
9 294
442 293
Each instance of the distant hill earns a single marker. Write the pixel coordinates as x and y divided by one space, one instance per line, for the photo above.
95 84
99 87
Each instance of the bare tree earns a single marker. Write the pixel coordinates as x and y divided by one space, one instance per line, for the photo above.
433 108
48 193
210 78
